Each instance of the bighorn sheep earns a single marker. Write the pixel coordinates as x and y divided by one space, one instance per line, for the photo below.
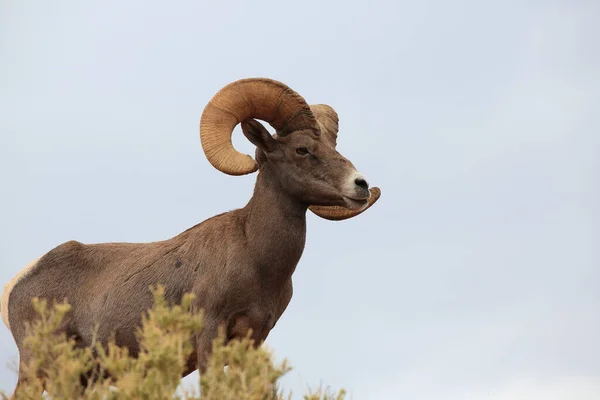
238 264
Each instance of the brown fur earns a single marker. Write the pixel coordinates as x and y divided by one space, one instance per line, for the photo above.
239 264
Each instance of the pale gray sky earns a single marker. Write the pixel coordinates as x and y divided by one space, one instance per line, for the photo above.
476 275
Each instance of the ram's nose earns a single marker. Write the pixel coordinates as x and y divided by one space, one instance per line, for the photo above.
362 183
361 186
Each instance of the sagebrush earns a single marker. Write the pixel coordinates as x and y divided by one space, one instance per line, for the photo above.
57 364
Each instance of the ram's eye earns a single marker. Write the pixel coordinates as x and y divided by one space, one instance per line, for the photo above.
302 151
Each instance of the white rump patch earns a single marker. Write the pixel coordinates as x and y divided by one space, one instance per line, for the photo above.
9 287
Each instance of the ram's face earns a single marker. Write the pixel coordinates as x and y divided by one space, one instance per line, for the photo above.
309 168
302 157
318 174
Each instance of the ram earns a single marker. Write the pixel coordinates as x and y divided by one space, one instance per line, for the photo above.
238 264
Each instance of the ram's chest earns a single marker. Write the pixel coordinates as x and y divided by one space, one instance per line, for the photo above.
261 315
260 325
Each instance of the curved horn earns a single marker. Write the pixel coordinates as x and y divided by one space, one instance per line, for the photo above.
328 122
260 98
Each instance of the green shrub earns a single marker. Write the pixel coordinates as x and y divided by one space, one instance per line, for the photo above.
251 373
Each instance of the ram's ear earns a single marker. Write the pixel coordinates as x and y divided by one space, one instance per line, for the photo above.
258 135
336 213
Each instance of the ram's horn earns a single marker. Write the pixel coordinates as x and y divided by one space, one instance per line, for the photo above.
260 98
327 120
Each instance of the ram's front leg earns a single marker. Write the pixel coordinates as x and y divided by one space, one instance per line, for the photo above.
236 327
204 342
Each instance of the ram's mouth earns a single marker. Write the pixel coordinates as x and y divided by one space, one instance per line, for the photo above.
340 213
354 203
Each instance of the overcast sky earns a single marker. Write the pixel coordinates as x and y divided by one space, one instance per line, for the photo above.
477 274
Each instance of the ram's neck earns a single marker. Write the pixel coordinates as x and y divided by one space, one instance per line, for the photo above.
275 227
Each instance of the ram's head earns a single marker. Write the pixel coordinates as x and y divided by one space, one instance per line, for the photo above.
301 154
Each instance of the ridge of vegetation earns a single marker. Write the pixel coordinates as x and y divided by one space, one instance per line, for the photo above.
165 345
